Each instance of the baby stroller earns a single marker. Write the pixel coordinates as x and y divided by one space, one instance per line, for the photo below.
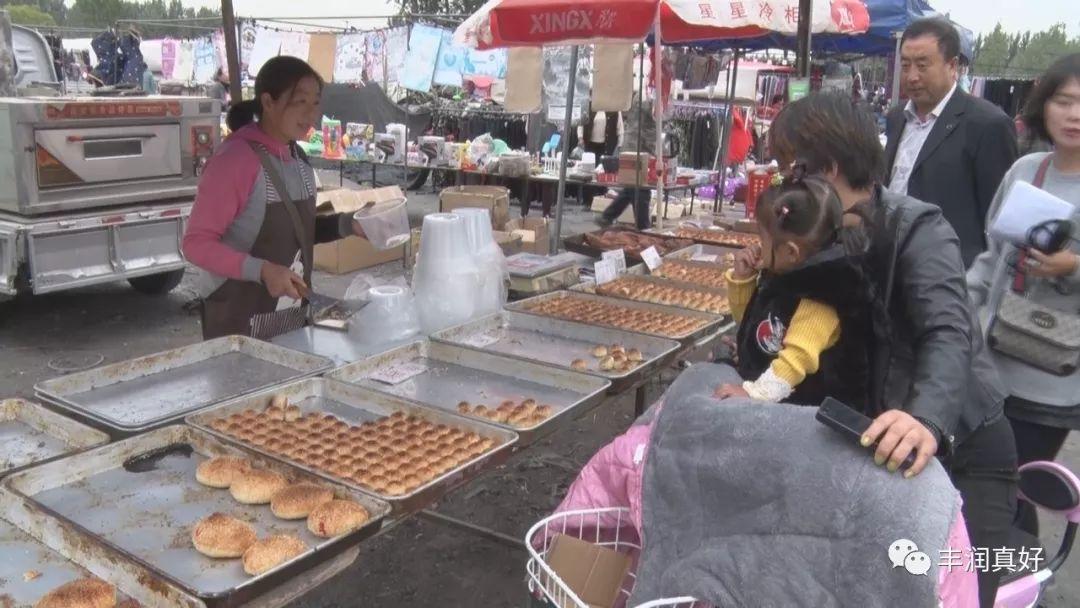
1048 485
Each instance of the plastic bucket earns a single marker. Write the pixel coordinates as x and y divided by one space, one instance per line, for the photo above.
386 224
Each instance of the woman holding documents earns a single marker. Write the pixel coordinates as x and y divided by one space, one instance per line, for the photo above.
253 227
1028 288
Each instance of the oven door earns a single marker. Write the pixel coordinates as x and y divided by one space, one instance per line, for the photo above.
87 156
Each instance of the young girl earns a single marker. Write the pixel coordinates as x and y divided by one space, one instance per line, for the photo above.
801 302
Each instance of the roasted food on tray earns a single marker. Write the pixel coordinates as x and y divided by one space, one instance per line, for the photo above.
222 536
573 308
726 238
80 593
271 552
526 414
642 290
633 243
614 359
391 456
706 275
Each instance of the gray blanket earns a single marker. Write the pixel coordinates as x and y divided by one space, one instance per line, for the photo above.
754 504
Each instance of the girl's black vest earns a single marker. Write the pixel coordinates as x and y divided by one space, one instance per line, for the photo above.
830 277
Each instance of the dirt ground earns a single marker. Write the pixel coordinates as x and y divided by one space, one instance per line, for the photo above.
419 563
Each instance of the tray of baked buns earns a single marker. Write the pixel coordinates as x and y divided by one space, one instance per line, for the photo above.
525 397
680 324
30 434
32 574
707 254
719 237
403 452
662 291
622 357
217 522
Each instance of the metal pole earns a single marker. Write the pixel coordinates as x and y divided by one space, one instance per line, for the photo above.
640 116
729 120
894 98
802 54
658 110
556 235
232 50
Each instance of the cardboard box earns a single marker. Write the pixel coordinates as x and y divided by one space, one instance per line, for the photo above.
353 253
493 198
534 233
594 573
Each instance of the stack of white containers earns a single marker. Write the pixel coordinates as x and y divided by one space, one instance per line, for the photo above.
447 278
494 273
390 316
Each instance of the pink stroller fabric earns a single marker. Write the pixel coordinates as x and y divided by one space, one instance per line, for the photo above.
613 478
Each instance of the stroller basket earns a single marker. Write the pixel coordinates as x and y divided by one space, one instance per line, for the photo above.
611 528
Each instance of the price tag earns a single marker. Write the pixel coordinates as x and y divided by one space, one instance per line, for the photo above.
481 340
398 373
618 257
605 272
701 257
651 258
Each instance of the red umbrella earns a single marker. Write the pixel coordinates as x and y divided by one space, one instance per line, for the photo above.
503 23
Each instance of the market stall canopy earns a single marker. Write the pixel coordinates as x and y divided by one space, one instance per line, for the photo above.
507 23
888 18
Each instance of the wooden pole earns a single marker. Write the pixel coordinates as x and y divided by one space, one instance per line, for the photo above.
232 50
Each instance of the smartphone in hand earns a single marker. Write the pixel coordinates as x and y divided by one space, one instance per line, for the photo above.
851 423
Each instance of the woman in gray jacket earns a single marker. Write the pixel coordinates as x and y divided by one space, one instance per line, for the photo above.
1043 407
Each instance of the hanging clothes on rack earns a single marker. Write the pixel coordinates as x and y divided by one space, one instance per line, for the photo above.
1008 94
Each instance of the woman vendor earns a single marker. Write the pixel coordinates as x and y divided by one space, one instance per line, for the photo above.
934 390
255 207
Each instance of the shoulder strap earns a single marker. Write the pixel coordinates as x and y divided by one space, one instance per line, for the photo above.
1040 175
306 240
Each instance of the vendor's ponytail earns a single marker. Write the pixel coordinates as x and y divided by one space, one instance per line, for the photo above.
278 76
243 114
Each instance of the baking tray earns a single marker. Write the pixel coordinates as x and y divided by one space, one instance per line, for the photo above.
31 434
556 342
452 374
589 287
711 325
689 253
152 391
338 346
354 404
139 497
578 244
23 555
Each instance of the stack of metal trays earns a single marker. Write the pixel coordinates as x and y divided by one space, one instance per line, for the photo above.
444 376
559 343
150 392
31 434
355 405
139 499
711 325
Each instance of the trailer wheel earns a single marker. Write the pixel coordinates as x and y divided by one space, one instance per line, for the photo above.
158 284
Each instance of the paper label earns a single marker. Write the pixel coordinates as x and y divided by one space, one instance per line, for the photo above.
605 271
651 258
617 257
399 372
701 257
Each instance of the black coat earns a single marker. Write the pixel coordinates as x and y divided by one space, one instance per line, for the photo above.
966 154
929 359
834 279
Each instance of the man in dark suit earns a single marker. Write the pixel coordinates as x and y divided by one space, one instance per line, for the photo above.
946 147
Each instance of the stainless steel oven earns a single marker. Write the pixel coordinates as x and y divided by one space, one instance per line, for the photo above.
67 154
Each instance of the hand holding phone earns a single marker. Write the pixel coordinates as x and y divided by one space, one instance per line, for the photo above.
853 424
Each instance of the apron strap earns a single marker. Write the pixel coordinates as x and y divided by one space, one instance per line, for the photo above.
306 240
